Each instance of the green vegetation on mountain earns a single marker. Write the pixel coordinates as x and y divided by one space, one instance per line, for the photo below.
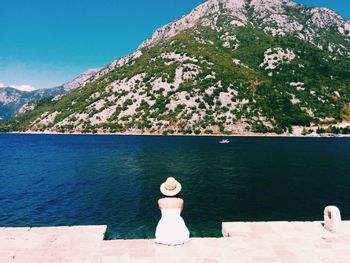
215 78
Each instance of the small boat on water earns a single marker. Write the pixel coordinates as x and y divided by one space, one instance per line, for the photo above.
224 141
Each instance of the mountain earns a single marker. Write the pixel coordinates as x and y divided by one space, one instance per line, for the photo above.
81 80
9 99
14 100
229 66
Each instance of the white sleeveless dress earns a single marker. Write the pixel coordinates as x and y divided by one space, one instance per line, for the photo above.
171 228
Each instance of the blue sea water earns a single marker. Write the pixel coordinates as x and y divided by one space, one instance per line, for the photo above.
51 180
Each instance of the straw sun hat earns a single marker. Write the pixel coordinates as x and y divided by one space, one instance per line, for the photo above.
170 187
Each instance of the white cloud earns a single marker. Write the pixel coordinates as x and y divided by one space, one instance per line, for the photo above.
27 88
24 87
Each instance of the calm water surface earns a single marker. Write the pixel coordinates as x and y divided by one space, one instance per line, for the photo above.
51 180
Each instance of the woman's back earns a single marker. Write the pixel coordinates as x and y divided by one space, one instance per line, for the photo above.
171 228
168 203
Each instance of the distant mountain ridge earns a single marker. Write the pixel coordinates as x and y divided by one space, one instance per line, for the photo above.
229 66
13 100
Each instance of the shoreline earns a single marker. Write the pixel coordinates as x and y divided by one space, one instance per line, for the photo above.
247 134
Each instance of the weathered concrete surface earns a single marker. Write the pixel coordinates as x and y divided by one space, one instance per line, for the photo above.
248 242
50 244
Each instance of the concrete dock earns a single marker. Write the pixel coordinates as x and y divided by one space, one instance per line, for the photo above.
246 242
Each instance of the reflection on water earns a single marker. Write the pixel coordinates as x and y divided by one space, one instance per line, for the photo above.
114 180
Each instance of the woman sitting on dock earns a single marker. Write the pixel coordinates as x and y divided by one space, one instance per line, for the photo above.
171 228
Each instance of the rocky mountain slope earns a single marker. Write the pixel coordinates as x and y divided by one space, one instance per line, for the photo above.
10 98
14 101
230 66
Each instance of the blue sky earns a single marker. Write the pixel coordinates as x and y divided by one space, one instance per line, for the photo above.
46 43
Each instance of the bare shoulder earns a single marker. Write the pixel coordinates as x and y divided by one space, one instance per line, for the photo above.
181 203
170 202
